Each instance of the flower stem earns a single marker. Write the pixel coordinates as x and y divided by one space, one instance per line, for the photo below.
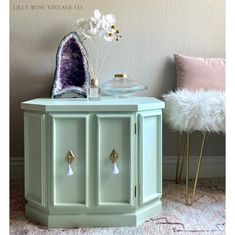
101 65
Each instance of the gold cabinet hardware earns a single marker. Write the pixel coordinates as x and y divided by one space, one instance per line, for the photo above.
70 157
114 156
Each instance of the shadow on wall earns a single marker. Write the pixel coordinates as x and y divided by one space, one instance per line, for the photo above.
40 88
215 143
51 41
169 75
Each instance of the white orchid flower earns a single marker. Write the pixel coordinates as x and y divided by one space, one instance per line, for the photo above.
109 37
97 19
101 25
98 25
107 26
107 22
82 23
97 16
92 30
102 32
111 19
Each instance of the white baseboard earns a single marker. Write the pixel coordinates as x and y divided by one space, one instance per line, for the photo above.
212 166
17 168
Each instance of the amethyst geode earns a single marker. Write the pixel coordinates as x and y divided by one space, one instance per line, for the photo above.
71 74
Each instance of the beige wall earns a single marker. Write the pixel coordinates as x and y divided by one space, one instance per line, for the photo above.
152 31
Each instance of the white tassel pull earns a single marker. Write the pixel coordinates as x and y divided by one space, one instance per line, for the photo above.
115 170
69 171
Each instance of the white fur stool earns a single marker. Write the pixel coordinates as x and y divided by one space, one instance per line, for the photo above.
186 112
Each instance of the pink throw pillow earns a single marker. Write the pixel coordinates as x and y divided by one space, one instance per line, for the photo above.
195 73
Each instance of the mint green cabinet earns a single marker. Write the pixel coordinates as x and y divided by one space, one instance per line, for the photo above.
90 131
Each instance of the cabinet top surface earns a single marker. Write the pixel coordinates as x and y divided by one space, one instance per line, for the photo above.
82 104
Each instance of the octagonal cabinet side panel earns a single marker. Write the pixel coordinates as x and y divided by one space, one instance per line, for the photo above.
34 157
150 156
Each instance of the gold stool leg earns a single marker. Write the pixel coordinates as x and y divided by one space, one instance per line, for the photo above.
183 160
179 169
177 179
187 166
189 201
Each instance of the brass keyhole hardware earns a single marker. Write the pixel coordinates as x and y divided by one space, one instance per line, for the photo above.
114 156
70 156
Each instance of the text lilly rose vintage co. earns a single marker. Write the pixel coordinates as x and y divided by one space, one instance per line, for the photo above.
47 7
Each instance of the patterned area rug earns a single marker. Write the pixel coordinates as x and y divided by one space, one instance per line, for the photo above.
205 216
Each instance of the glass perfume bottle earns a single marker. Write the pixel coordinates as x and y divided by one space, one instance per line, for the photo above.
94 90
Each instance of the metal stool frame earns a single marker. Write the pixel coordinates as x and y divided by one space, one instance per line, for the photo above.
185 159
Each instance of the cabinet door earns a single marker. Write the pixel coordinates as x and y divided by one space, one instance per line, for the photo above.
115 132
70 133
150 156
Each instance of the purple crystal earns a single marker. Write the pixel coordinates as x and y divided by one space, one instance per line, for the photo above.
72 75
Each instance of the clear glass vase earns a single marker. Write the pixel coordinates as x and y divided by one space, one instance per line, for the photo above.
121 86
